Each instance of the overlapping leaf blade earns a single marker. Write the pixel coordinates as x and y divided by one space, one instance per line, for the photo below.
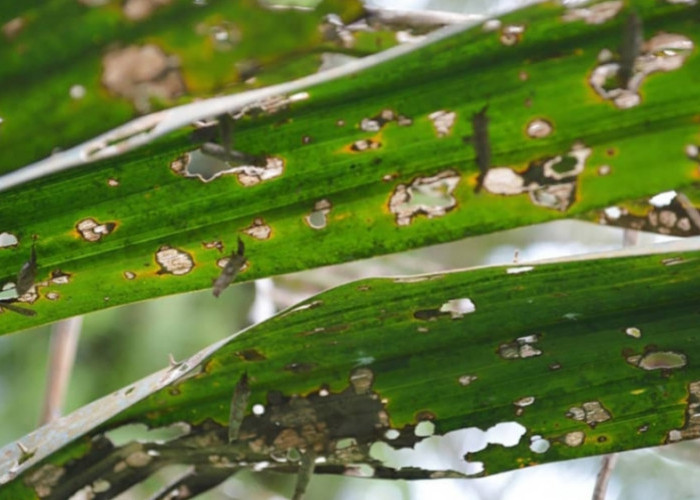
590 356
147 207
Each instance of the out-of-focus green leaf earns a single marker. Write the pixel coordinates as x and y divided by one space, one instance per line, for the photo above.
582 357
63 83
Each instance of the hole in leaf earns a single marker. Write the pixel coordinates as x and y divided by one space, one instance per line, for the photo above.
429 196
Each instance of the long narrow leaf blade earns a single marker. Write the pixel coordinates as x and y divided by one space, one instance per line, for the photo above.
581 357
378 162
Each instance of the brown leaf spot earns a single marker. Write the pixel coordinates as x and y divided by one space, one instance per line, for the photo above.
251 355
141 73
91 230
137 10
258 229
174 261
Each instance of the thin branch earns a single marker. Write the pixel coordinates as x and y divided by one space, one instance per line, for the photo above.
630 238
62 349
47 439
606 469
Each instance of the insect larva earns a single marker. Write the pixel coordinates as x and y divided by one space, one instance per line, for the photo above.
482 145
25 281
225 151
27 274
233 266
239 403
631 46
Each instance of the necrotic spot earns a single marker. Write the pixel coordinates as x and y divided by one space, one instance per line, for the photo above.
538 444
142 73
365 145
13 27
443 121
633 332
174 261
317 218
206 168
258 229
511 34
77 92
465 380
137 10
8 240
430 196
539 128
91 230
224 36
58 277
575 438
595 14
660 360
620 83
458 307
